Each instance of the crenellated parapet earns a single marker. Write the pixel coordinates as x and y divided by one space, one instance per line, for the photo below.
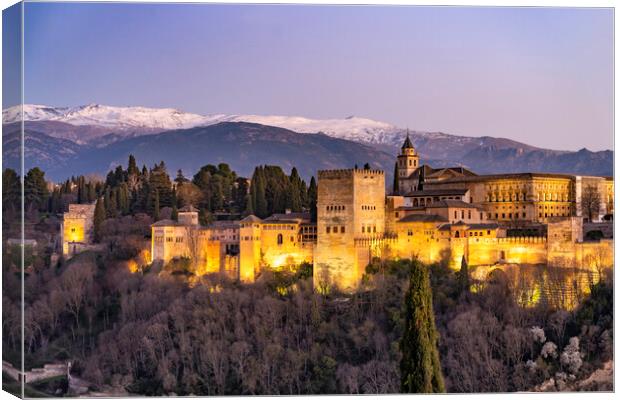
347 173
522 239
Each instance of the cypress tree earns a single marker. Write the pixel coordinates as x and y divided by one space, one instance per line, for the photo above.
132 168
112 208
295 187
464 276
260 207
395 188
156 207
420 369
175 212
312 198
98 219
248 206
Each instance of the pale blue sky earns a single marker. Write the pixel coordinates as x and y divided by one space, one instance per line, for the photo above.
538 75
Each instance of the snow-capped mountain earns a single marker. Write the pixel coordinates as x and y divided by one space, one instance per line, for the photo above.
109 116
153 120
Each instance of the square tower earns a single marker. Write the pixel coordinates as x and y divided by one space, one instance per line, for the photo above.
350 209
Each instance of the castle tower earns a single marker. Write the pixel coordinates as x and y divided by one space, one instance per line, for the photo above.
408 162
249 248
350 209
188 215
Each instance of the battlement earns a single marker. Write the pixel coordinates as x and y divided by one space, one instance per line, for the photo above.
522 239
347 173
80 210
377 240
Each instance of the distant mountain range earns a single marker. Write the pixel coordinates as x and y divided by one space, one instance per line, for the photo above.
94 138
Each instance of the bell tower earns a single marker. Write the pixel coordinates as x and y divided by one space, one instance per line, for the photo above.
408 160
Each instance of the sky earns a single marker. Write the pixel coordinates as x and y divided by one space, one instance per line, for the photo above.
543 76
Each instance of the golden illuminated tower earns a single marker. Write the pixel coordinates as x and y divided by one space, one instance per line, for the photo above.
350 210
408 162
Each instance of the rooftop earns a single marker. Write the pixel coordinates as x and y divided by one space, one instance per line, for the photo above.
452 203
422 218
437 192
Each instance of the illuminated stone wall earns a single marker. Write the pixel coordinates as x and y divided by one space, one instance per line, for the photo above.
176 241
77 228
249 249
350 206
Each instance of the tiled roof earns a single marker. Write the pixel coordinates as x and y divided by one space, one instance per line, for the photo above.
437 192
451 203
422 218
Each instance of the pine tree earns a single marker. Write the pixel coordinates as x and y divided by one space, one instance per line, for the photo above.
98 219
11 190
180 179
420 368
312 199
395 188
35 189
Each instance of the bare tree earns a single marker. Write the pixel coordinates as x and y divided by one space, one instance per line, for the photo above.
590 201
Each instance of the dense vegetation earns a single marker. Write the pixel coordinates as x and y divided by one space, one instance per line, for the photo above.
213 190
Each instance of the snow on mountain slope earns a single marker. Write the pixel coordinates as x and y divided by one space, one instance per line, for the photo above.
132 118
109 116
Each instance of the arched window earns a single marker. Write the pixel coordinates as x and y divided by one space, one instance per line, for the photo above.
457 234
279 239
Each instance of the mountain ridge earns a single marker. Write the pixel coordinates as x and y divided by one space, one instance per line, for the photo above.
483 155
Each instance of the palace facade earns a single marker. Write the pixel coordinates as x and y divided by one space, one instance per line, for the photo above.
436 214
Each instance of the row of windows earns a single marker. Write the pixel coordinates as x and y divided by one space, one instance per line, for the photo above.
371 208
429 200
564 208
510 215
247 238
463 214
335 208
369 229
334 229
278 227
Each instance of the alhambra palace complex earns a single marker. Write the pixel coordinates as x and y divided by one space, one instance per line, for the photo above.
433 214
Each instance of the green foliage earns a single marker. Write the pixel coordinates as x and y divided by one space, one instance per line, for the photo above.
156 207
11 190
463 276
420 367
35 190
395 188
99 217
312 199
594 235
597 308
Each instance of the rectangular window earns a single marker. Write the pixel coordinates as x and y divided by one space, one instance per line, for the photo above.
342 229
327 230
